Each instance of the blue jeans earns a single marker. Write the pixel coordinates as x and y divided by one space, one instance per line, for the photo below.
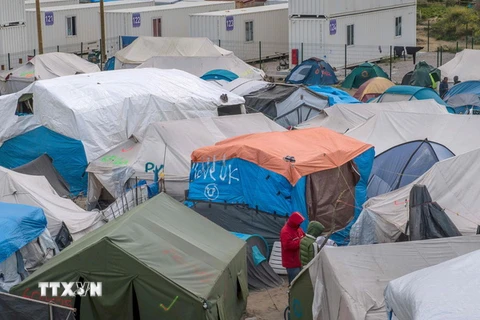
292 273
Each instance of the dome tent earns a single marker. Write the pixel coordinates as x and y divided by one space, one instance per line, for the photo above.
219 74
312 72
424 75
372 88
464 97
363 73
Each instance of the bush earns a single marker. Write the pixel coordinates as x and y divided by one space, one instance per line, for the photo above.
430 11
453 25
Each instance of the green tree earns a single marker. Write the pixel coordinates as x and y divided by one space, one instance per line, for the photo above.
457 23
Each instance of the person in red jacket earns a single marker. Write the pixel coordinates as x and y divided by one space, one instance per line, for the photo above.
290 237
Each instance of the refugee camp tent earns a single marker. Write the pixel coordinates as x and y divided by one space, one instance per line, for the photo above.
464 97
166 148
260 273
43 67
335 96
411 93
312 72
159 261
43 166
198 66
286 104
464 65
219 74
68 156
344 117
372 88
348 283
424 75
407 145
384 218
23 236
443 291
243 86
118 104
277 173
362 74
36 191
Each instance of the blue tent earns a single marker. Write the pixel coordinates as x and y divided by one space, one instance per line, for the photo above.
243 183
335 96
464 96
68 155
312 72
219 74
408 93
402 164
21 224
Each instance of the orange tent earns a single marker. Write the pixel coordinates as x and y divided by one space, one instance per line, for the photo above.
312 150
372 88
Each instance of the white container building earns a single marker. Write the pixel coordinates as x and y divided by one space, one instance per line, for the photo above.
171 20
72 27
12 12
12 47
365 29
242 30
30 4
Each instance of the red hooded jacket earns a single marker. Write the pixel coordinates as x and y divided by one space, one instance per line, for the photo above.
290 237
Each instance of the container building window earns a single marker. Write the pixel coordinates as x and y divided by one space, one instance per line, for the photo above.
249 31
157 27
71 26
398 26
350 35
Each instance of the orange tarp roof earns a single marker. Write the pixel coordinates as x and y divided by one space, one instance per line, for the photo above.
377 85
315 149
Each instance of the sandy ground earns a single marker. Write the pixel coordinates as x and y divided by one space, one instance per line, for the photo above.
267 304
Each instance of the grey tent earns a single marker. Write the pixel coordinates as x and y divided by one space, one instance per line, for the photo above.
260 273
286 104
427 219
43 166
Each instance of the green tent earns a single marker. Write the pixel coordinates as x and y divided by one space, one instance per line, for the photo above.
362 74
159 261
424 75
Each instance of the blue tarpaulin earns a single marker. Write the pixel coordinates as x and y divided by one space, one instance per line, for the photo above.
464 96
127 40
335 96
68 155
21 224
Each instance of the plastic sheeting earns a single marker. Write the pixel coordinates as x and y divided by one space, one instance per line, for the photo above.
118 104
464 65
20 225
345 117
349 282
335 96
47 66
452 183
242 86
199 66
36 191
68 155
166 147
448 290
465 94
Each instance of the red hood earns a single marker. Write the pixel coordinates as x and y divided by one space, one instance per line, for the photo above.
295 220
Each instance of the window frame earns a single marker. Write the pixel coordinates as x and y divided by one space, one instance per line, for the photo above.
351 34
73 21
398 26
249 32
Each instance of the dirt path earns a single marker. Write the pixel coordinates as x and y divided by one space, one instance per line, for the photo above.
267 304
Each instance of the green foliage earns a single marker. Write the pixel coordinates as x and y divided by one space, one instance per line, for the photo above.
429 11
453 25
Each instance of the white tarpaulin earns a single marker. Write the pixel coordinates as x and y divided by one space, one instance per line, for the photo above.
465 65
349 282
242 86
104 109
36 191
46 66
198 66
452 183
390 129
344 117
448 290
167 147
144 48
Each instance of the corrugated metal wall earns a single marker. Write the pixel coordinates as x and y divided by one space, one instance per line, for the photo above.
13 41
30 4
11 11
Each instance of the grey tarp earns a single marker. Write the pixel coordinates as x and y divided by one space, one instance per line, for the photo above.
18 308
427 219
43 166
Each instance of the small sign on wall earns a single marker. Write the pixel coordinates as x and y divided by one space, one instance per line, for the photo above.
49 18
230 23
136 20
333 26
